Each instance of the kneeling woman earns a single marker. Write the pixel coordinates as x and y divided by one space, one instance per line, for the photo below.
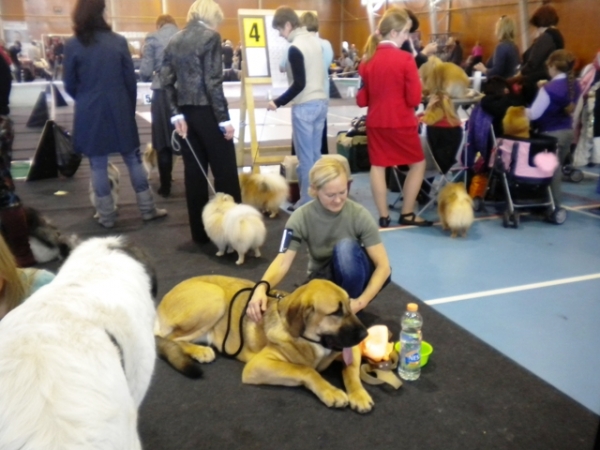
343 241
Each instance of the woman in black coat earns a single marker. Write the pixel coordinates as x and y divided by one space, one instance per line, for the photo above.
192 75
548 38
99 75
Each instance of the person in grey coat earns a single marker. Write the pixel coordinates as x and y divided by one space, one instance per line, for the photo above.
192 76
152 59
99 75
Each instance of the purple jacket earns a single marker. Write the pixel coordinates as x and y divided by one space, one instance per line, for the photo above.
555 117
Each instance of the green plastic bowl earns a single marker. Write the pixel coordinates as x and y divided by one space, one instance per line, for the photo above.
426 350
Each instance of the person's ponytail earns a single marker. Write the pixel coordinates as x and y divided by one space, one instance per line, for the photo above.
371 45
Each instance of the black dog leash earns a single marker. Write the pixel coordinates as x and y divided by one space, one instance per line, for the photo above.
252 289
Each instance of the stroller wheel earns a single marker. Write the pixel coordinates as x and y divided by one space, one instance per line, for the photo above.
477 204
576 176
558 216
506 219
516 219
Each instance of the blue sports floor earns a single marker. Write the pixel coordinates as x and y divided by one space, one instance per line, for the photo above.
533 293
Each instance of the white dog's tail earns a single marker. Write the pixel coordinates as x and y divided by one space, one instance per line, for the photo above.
173 353
244 228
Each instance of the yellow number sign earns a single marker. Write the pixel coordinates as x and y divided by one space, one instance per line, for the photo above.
254 32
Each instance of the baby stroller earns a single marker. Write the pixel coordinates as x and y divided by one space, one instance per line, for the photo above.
525 168
570 173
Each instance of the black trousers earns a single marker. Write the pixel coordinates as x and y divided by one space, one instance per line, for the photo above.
161 137
214 151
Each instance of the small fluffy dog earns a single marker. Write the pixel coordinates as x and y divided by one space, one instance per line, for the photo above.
266 192
436 74
45 240
515 122
233 227
114 178
455 209
77 357
150 160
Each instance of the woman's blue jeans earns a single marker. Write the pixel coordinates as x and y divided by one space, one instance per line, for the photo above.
308 121
133 161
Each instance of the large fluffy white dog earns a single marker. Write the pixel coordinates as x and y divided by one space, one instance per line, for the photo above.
76 358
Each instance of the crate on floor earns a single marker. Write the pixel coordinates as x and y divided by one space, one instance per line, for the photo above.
289 171
355 150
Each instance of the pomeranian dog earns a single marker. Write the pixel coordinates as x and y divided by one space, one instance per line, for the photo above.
266 192
515 122
233 227
437 75
150 160
114 178
455 209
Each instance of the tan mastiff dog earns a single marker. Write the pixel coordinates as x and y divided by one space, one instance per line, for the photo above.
300 335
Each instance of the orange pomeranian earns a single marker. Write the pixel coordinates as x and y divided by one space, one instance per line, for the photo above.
515 122
437 76
455 209
266 192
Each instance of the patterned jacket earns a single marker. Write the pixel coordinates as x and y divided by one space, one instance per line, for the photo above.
192 71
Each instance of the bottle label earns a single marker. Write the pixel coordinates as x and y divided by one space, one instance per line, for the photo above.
412 359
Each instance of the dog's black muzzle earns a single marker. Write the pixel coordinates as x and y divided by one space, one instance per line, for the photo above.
348 336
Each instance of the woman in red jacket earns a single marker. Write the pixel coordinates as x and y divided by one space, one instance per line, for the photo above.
392 90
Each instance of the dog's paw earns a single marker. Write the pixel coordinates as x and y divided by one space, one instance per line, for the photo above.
361 401
220 253
203 354
240 260
334 397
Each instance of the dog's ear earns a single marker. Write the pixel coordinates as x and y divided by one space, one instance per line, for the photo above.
296 316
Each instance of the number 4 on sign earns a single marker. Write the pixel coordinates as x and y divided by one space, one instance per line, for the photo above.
254 32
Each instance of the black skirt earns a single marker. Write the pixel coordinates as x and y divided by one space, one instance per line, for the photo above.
161 120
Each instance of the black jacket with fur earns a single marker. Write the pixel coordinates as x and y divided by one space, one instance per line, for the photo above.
192 71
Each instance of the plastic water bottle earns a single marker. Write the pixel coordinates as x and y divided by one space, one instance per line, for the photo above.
410 343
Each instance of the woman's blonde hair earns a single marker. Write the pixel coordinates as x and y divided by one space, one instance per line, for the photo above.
325 170
506 29
13 292
393 19
207 11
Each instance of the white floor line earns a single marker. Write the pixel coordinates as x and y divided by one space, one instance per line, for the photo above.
349 119
591 206
591 174
408 227
524 287
582 211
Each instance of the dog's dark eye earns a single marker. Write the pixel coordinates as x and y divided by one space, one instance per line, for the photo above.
339 312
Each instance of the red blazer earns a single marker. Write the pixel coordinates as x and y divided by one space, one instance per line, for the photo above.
391 88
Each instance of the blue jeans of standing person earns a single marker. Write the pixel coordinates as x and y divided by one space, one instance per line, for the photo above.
308 121
133 161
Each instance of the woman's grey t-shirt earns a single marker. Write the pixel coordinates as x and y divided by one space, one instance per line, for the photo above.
321 229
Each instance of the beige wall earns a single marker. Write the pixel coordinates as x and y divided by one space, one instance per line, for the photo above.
53 16
340 19
475 20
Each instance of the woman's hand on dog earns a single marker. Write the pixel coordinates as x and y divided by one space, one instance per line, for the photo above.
257 305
